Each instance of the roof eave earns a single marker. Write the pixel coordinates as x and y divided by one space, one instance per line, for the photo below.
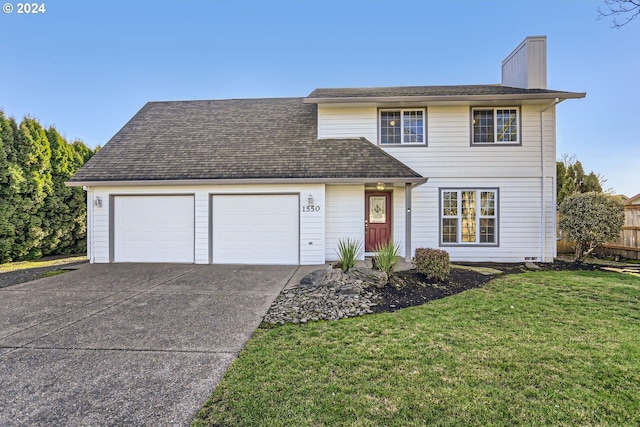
415 181
445 98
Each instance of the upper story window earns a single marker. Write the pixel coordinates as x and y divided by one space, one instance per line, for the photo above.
402 126
495 125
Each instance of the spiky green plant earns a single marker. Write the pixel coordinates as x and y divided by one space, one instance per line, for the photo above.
349 251
386 256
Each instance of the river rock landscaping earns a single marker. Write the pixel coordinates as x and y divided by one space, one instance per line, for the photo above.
331 294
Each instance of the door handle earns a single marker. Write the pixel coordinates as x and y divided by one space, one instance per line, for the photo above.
366 225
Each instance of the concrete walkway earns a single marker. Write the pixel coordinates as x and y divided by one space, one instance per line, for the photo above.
127 344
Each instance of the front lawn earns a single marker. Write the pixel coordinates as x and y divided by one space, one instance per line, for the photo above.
539 348
45 262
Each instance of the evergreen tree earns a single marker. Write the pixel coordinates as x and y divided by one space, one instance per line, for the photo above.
10 180
58 221
39 215
33 156
571 179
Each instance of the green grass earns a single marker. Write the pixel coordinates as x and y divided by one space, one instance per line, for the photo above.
538 348
23 265
52 273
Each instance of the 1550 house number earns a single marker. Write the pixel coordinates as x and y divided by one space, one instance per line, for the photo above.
311 208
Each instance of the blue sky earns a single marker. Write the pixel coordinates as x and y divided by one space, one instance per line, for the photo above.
87 67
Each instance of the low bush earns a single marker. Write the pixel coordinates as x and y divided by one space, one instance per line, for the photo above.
433 263
386 256
349 252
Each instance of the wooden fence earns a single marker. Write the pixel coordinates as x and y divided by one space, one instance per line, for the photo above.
628 244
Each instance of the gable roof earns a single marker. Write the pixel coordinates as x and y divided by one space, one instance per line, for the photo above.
633 201
491 92
231 140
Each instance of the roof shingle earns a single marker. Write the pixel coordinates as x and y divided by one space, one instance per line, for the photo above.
233 140
427 91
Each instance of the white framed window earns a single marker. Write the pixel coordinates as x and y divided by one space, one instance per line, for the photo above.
495 125
469 216
402 126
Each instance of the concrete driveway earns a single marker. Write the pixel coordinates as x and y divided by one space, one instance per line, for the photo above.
126 344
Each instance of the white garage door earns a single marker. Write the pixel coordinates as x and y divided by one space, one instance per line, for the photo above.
153 229
255 229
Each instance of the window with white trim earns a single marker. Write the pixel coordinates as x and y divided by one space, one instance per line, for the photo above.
402 126
469 217
495 125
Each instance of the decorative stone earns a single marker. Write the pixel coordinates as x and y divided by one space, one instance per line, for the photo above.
328 294
531 266
349 290
314 278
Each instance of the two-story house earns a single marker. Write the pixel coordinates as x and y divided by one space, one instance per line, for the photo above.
469 169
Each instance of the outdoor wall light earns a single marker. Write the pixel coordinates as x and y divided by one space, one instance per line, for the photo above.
310 200
380 186
97 202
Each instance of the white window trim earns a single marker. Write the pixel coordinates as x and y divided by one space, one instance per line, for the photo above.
495 125
402 111
495 216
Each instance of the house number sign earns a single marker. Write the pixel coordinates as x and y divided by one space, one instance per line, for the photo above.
311 208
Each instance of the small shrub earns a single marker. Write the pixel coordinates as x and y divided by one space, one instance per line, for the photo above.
349 252
386 256
433 263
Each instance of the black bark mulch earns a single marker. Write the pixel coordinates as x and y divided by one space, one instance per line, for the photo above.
410 288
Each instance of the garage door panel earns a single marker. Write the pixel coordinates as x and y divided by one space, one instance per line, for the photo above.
255 229
153 229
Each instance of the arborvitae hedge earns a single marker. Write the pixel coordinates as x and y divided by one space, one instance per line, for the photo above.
39 215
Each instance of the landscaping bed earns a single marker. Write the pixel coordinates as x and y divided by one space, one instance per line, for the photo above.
330 294
411 288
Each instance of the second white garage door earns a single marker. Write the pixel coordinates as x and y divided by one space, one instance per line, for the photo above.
255 229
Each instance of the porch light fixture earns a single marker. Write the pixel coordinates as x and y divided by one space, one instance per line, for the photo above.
97 202
380 186
310 200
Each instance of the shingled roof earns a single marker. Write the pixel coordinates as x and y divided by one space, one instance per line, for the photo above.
390 94
238 139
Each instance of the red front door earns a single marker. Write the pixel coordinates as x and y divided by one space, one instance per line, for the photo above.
377 221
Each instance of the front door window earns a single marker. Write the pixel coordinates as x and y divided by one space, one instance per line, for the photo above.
377 210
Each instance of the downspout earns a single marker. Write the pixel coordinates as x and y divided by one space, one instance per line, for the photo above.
543 204
407 222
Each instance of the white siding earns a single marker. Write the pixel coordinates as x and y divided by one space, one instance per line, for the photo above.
449 151
312 243
449 160
344 216
450 154
201 250
519 216
348 122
